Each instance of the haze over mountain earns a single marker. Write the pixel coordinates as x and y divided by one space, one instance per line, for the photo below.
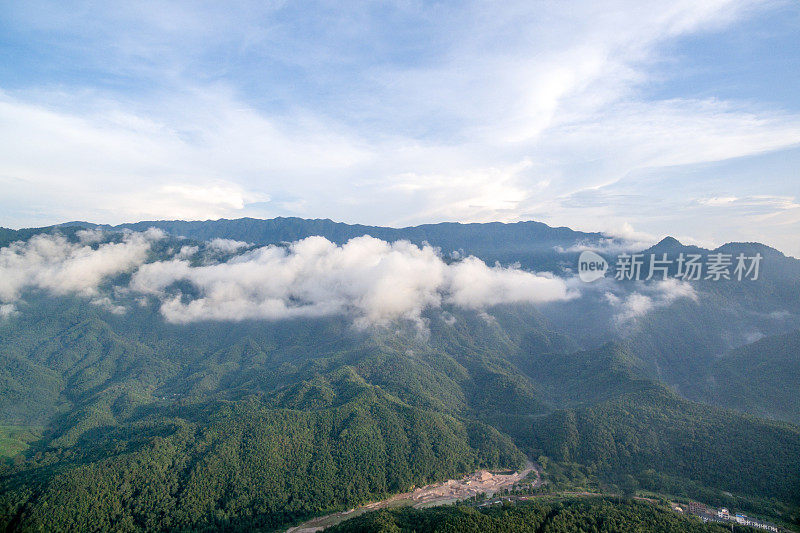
253 373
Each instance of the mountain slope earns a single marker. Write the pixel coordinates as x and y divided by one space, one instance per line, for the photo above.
150 424
246 464
762 378
531 517
585 377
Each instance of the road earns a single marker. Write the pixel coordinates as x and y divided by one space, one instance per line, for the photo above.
450 491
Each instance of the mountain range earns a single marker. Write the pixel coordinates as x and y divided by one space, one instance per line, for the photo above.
147 384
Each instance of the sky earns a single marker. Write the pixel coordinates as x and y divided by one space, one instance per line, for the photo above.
637 118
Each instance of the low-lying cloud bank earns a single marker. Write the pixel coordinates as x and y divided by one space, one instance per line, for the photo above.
58 266
372 280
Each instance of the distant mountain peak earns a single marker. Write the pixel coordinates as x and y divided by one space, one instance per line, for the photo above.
751 248
669 241
668 245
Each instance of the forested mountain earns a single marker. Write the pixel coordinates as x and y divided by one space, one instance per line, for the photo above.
166 391
530 517
759 378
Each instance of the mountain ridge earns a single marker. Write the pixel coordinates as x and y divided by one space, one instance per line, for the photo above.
339 232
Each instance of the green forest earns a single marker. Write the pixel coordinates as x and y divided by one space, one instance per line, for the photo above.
568 516
127 422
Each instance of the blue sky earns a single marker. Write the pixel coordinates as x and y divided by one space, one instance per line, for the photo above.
637 118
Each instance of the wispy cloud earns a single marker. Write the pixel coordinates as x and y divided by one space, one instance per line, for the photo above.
631 307
752 205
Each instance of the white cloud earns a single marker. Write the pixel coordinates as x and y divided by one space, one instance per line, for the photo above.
108 304
214 198
207 155
7 310
448 318
608 245
759 205
672 289
473 285
633 306
476 194
226 196
187 251
718 201
52 263
90 236
753 336
371 279
227 245
649 297
780 315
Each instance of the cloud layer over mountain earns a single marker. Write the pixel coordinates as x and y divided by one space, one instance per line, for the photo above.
53 264
372 280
